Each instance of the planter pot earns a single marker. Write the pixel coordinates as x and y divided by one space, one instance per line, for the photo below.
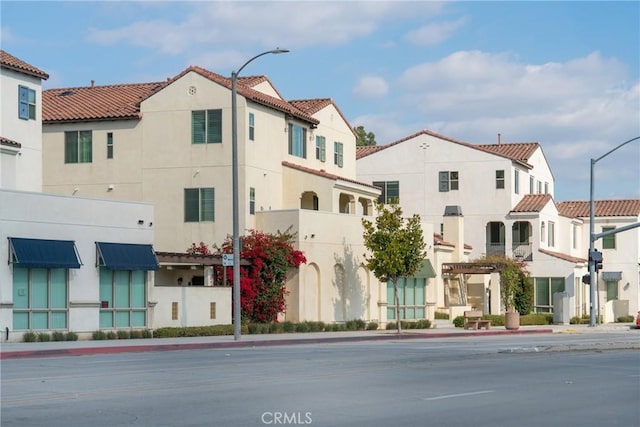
512 320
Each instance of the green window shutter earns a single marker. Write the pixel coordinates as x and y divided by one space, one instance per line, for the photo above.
23 102
198 127
393 192
443 180
191 205
252 124
383 186
609 242
86 149
214 126
207 204
71 147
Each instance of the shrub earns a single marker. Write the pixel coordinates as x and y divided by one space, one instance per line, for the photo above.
423 324
372 326
29 337
391 325
135 334
355 325
58 336
44 337
195 331
99 335
302 327
147 333
458 322
441 316
625 319
111 335
123 335
537 319
71 336
288 326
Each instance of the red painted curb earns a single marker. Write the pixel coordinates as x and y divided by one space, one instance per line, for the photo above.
84 351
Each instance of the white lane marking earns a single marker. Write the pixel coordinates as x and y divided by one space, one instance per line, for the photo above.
451 396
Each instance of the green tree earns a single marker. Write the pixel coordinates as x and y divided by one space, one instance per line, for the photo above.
396 246
516 287
364 138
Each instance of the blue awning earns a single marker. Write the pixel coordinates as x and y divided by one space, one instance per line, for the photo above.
126 256
40 253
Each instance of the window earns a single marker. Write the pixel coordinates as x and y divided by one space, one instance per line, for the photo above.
448 181
199 204
26 103
532 183
78 146
337 153
390 191
612 289
552 234
574 237
516 181
544 288
252 201
411 299
123 299
206 127
321 149
608 242
40 298
297 141
546 188
499 179
542 232
539 187
252 127
109 145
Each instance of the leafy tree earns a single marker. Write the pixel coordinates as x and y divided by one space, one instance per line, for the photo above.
516 287
364 138
396 247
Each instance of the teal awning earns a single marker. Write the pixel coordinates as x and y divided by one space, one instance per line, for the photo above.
41 253
426 271
126 256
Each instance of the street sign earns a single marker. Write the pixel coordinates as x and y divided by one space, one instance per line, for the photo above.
227 260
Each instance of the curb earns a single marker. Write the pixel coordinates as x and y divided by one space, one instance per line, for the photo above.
84 351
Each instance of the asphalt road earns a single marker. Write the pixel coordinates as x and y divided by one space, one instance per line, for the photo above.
488 381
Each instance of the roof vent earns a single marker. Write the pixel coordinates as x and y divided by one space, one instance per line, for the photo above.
452 211
66 93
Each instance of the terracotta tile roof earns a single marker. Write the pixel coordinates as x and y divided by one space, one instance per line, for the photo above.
580 209
562 256
112 102
519 151
532 203
251 94
511 153
325 174
312 106
437 240
9 143
10 62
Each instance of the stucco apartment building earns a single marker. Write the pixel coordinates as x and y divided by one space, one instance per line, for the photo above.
505 192
65 268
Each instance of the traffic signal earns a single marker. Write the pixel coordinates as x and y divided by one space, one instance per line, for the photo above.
596 258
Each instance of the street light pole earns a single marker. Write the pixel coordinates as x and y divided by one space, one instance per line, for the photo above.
237 317
593 282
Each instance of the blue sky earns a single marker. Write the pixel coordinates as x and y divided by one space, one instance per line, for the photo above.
565 74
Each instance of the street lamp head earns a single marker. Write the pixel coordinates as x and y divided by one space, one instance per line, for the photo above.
278 50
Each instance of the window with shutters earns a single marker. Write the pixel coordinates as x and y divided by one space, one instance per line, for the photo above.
26 103
199 204
206 127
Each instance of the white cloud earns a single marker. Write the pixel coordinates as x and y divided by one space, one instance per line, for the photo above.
371 87
269 24
435 33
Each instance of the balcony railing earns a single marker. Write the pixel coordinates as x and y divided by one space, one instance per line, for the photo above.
522 251
495 249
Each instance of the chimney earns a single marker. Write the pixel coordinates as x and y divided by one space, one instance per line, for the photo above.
453 231
93 82
499 139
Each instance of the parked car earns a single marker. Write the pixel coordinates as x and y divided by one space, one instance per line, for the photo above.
638 320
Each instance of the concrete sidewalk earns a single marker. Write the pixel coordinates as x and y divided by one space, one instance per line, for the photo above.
13 350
